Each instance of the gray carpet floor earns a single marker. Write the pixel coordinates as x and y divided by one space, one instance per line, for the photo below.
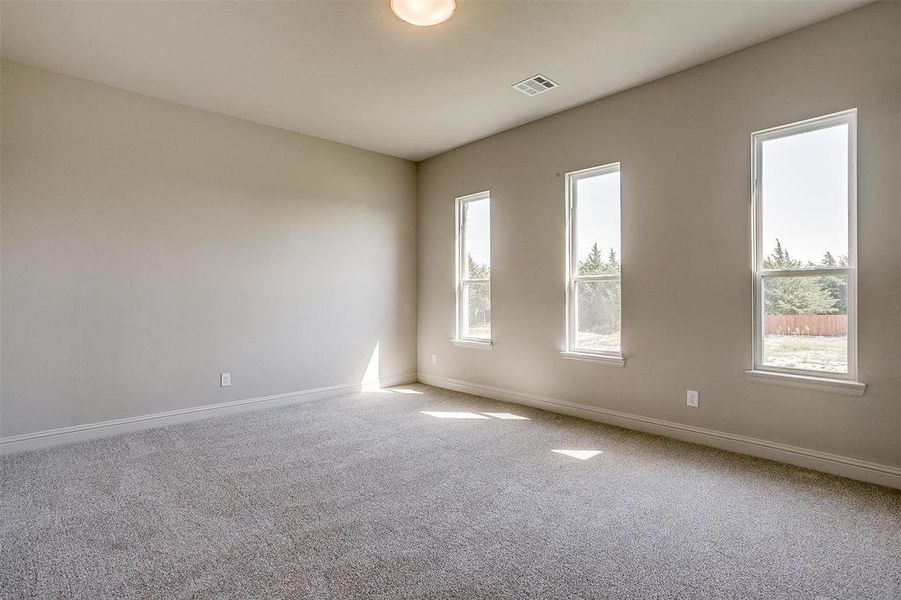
368 496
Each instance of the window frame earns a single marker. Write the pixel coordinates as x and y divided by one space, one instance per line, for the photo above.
461 281
808 378
571 350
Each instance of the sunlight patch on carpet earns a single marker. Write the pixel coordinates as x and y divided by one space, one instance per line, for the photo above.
507 416
580 454
452 415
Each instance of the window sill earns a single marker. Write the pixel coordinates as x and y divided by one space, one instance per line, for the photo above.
486 345
604 359
807 382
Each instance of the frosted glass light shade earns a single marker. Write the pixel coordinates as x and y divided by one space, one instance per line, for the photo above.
423 12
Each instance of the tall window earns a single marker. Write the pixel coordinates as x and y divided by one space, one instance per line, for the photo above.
593 291
474 268
805 268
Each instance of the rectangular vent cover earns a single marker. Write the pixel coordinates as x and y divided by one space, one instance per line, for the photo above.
535 85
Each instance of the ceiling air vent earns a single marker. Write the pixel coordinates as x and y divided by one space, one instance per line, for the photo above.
535 85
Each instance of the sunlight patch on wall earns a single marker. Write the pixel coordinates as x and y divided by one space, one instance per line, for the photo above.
370 381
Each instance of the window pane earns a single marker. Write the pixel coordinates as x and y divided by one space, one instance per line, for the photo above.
597 232
805 199
598 315
477 310
477 239
805 323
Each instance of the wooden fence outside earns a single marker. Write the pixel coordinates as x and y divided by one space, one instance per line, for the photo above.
825 325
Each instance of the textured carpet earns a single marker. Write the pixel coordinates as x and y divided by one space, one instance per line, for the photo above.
368 496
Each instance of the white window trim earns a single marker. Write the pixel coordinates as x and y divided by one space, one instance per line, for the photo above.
803 378
479 345
571 351
806 382
460 261
604 359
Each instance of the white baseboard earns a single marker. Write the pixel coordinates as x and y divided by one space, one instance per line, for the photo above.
89 431
835 464
398 380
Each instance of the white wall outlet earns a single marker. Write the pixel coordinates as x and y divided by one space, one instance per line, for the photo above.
434 359
693 398
225 379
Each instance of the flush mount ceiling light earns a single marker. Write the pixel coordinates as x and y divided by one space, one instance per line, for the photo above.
423 12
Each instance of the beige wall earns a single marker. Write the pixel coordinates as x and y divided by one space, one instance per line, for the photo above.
684 144
147 247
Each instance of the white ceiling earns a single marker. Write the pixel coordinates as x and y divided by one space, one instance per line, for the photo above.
353 73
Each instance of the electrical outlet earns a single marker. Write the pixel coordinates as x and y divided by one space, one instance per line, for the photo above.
434 359
693 398
225 379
